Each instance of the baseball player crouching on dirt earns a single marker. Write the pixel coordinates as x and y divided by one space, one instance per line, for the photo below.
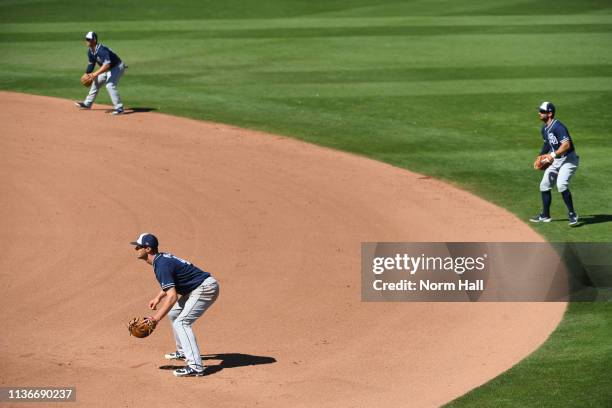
110 72
559 147
198 290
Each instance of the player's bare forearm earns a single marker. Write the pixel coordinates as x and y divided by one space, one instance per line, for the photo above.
169 301
155 301
565 146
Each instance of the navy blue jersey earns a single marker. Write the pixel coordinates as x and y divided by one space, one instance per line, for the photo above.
102 55
172 271
554 135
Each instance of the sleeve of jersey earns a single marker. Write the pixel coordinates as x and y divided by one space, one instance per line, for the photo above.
562 134
165 276
92 63
104 55
545 148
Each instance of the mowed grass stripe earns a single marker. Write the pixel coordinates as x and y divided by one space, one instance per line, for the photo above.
73 10
419 88
386 31
239 76
407 74
216 57
445 22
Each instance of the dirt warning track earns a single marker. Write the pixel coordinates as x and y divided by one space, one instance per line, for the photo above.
278 222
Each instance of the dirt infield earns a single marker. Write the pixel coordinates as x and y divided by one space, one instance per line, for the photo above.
278 222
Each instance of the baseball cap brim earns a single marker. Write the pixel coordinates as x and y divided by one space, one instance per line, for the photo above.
142 245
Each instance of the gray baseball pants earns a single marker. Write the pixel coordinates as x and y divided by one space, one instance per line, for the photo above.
183 315
110 79
560 172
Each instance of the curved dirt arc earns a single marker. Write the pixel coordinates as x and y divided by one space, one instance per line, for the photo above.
278 222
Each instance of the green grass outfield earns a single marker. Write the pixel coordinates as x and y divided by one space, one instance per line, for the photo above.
448 88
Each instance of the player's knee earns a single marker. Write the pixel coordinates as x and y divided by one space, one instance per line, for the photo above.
183 321
173 314
179 321
110 85
561 187
544 186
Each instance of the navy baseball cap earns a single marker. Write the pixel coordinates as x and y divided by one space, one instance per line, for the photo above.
91 36
547 107
146 240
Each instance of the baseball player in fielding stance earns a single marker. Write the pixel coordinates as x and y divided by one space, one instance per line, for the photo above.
559 146
110 72
198 290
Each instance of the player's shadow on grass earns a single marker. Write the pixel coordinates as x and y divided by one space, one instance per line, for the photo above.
227 360
129 111
594 219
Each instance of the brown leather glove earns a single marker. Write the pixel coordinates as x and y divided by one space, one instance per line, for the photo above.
542 162
86 80
141 326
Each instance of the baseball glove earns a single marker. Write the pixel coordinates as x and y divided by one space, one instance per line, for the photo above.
86 80
542 162
141 326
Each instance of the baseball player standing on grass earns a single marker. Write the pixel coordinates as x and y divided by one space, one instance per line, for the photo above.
198 290
110 71
559 147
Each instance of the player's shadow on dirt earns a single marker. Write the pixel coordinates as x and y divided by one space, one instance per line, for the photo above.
129 111
594 219
227 360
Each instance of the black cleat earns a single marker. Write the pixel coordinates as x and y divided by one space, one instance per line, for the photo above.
188 372
82 105
573 219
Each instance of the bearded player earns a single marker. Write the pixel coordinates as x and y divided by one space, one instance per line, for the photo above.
560 150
